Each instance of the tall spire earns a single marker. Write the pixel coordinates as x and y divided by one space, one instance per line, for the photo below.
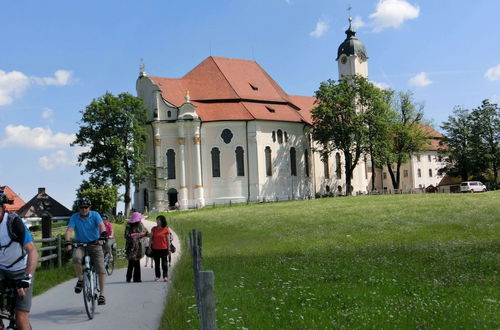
142 73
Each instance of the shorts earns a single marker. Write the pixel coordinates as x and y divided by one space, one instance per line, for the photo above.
22 303
108 245
96 255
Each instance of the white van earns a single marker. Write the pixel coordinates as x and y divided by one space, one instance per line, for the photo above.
472 186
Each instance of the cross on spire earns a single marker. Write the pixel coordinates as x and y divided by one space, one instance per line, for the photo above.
142 68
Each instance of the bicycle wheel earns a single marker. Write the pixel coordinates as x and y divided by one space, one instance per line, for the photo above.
88 293
109 262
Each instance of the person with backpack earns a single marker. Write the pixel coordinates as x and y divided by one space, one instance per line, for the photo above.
18 259
135 246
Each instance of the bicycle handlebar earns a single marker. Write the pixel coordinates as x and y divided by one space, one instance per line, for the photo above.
80 244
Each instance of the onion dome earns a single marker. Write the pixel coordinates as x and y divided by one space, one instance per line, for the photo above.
351 45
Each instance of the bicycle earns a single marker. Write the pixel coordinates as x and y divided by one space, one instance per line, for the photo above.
8 297
90 287
109 259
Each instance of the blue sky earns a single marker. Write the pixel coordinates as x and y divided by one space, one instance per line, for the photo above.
56 56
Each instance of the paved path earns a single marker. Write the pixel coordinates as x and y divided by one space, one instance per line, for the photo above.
128 305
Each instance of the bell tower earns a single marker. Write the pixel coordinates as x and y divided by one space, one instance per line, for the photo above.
351 56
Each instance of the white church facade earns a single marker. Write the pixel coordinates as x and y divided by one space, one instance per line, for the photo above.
227 132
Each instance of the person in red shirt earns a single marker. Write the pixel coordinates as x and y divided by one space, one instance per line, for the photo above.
160 242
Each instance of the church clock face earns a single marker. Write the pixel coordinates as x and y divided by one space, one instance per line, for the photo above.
343 59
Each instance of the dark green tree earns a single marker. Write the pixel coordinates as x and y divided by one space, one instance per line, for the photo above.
379 120
112 131
458 152
339 120
485 140
407 136
103 197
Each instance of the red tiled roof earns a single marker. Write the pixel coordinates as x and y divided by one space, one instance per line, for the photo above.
18 202
306 104
435 138
234 89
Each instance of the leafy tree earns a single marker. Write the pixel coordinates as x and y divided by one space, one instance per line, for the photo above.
378 120
485 139
103 197
407 137
459 156
112 131
339 120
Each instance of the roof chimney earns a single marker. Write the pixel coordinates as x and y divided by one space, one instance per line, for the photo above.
41 190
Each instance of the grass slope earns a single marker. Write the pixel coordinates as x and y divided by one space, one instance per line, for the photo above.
400 261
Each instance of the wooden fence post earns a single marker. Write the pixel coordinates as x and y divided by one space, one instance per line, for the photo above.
207 312
59 251
46 233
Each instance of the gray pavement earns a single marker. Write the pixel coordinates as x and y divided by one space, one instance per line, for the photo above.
128 305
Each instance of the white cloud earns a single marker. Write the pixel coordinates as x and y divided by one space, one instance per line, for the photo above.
321 28
55 160
61 78
357 22
420 80
47 113
493 73
35 138
381 85
392 13
12 85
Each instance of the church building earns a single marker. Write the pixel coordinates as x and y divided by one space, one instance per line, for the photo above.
227 132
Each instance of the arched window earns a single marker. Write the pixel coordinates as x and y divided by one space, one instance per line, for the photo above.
419 173
269 169
293 162
430 173
240 167
306 159
170 164
215 162
325 167
338 167
286 136
280 136
274 136
169 113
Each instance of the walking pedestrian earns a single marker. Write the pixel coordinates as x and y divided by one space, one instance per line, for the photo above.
134 246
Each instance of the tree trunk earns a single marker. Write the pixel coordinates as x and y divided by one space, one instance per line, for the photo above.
395 184
373 170
348 173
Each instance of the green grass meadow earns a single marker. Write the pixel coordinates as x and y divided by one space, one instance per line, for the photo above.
366 262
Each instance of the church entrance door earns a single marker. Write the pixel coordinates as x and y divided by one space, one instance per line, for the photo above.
172 197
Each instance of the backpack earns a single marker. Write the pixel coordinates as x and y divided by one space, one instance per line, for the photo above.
15 237
10 228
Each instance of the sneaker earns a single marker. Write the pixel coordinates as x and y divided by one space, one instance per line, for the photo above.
78 286
157 279
101 300
165 279
151 266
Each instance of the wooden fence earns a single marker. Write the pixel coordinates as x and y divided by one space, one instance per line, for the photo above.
52 244
203 284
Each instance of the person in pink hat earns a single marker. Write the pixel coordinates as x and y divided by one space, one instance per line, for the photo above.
134 249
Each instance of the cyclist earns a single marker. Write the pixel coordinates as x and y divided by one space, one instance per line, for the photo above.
109 230
18 259
89 228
